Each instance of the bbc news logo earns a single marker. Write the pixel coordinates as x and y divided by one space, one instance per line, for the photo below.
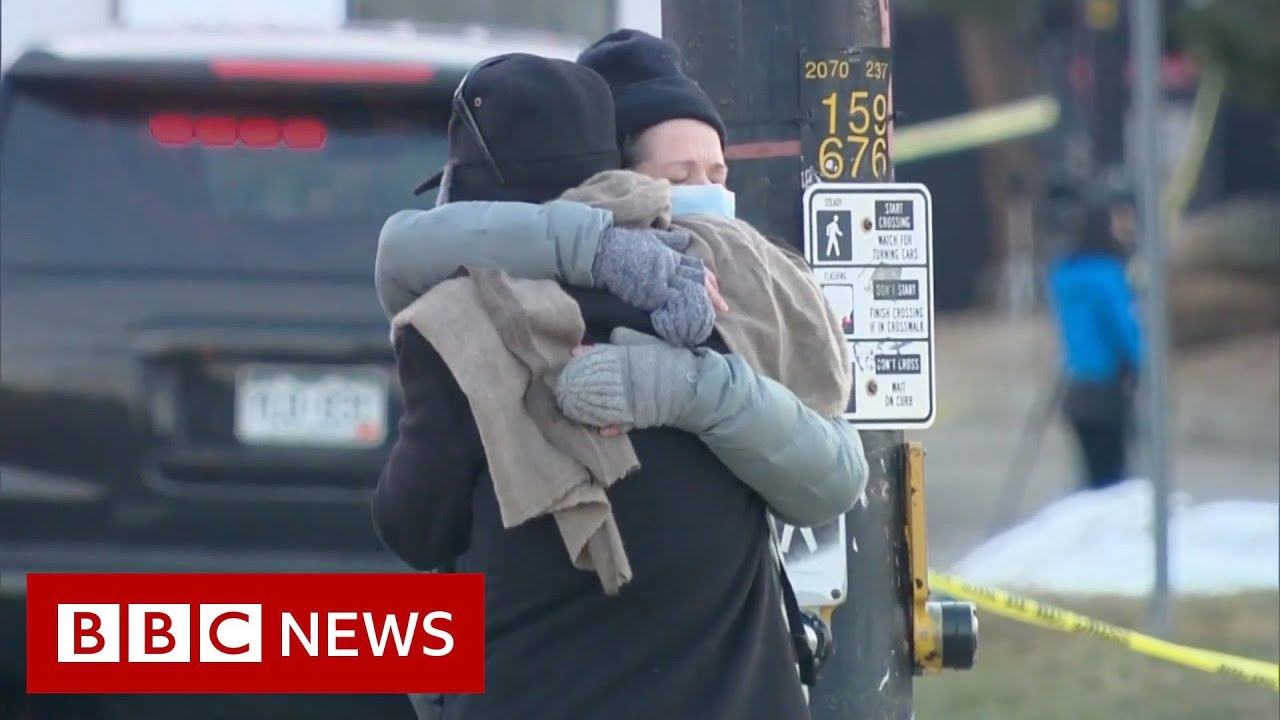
158 633
289 633
162 633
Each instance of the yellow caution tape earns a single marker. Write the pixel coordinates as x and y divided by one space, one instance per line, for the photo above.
979 128
1026 610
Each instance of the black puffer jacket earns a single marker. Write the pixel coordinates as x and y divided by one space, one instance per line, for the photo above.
698 634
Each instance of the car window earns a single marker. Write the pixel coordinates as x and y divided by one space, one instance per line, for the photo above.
125 177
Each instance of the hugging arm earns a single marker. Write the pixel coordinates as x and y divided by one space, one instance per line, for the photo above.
419 249
422 504
809 469
562 241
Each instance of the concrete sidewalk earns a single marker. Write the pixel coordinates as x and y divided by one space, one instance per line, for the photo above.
1225 425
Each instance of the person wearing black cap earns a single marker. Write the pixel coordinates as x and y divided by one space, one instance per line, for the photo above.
491 112
823 469
699 632
667 124
810 482
496 153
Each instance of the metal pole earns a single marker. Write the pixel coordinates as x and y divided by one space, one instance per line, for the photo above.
1069 145
748 55
1146 36
1108 99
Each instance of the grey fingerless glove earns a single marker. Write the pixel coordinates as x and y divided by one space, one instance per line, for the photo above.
687 318
636 265
636 382
645 269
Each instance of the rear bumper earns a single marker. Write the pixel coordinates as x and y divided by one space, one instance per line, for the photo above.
58 523
315 476
18 560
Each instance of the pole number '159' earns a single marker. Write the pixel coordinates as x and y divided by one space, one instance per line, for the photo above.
862 137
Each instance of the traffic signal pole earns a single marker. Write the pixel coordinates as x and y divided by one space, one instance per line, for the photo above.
771 66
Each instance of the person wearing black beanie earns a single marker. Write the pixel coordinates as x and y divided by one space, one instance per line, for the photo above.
667 126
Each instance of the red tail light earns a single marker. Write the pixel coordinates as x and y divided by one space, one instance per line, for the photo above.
179 130
321 72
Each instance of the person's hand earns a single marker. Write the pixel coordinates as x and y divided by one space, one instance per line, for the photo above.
635 382
712 284
692 266
638 265
606 430
688 316
644 268
632 264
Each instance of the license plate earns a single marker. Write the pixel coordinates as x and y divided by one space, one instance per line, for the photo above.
316 407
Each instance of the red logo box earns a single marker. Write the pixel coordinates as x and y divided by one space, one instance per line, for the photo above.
287 633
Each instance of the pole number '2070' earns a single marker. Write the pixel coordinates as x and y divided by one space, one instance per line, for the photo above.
841 69
854 123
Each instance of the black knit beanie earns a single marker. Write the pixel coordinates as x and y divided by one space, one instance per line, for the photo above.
648 85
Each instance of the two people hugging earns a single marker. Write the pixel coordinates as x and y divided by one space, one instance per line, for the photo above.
609 385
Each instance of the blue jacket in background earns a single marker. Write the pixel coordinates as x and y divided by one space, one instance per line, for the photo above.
1094 309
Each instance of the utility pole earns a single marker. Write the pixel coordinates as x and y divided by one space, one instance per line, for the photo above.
1070 147
1147 31
756 59
1105 21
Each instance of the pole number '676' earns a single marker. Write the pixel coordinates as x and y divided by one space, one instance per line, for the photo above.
857 135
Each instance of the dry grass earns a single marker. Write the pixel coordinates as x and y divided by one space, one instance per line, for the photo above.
1025 673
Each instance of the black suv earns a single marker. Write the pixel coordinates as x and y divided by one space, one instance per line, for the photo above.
195 374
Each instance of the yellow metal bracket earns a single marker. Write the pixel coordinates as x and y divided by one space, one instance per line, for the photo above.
944 635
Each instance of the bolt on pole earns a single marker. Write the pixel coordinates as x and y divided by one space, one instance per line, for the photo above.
750 56
1146 32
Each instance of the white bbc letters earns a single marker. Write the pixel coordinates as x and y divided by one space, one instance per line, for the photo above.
231 633
88 632
159 633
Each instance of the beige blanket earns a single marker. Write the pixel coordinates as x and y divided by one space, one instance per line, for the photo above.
504 338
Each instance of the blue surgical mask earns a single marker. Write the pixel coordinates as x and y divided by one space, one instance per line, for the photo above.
703 200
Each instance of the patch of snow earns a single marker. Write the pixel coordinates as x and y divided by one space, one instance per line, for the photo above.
1100 543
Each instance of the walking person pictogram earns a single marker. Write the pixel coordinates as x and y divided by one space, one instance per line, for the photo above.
834 241
833 236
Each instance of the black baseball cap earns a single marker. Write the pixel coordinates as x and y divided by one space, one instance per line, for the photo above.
523 121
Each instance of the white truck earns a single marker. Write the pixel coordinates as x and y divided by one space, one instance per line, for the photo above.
24 22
